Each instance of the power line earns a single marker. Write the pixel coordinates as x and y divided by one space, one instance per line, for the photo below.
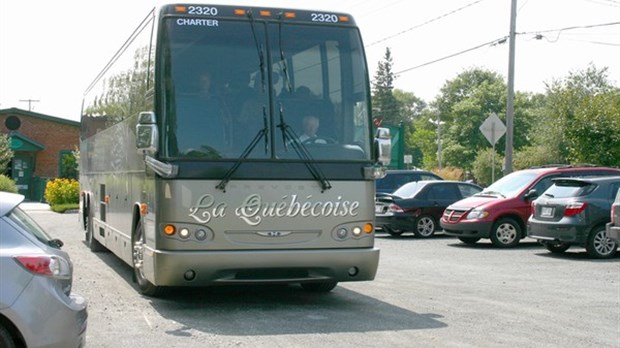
493 42
503 40
424 23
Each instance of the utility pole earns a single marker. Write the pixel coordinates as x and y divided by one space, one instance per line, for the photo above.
29 101
510 107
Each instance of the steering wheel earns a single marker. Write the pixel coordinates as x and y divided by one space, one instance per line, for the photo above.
319 140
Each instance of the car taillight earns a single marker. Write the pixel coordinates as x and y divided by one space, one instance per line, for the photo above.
574 208
45 265
533 208
395 209
614 213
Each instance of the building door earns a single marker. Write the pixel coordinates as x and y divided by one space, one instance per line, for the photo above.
22 170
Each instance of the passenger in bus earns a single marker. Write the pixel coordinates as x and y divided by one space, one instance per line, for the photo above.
202 121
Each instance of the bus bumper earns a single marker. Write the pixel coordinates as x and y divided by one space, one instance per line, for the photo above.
199 268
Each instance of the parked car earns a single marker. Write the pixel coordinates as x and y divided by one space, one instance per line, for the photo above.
37 306
396 178
574 212
418 206
500 212
613 227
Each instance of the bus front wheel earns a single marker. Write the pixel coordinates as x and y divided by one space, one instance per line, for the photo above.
144 285
325 286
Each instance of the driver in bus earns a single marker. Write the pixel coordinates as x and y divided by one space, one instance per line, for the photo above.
310 127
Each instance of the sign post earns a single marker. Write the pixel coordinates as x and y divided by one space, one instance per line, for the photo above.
493 128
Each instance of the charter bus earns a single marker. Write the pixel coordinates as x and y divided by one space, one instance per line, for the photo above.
195 166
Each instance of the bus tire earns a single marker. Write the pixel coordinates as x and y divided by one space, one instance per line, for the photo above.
93 244
144 285
325 286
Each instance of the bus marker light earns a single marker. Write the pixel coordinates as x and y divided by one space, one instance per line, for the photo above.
189 275
290 15
184 233
343 18
169 229
180 8
200 234
239 12
342 233
368 228
265 13
357 231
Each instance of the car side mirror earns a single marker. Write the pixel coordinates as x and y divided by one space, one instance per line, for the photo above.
531 194
55 243
147 134
383 146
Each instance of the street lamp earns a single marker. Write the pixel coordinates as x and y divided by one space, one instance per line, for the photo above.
438 122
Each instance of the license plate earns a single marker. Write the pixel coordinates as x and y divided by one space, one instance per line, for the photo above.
546 212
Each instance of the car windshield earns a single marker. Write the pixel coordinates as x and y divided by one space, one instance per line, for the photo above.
564 188
510 185
23 220
409 190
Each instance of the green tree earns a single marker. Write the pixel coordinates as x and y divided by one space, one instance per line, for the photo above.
6 154
579 119
384 103
482 168
465 102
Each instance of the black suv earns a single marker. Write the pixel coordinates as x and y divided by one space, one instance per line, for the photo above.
574 211
396 178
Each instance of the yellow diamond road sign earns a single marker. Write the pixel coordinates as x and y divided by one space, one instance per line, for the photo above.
493 128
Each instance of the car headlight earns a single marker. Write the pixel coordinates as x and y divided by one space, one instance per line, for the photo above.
477 214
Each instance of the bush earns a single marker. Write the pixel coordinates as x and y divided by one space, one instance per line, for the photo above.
62 191
449 173
7 184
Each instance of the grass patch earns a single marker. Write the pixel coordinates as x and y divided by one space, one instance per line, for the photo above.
63 208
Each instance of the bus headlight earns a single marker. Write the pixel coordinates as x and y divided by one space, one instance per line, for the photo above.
184 233
357 231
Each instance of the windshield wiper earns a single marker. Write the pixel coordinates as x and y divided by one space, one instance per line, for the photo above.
490 193
259 50
287 80
246 152
289 137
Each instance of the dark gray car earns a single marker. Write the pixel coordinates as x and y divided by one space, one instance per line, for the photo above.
574 211
37 306
613 227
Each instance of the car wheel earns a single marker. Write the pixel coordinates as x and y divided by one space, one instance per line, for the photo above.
393 232
6 340
424 226
505 233
144 285
326 286
469 240
556 247
599 245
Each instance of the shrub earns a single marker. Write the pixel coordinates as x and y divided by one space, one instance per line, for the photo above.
449 173
7 184
62 191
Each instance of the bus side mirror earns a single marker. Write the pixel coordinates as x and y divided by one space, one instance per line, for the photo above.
147 135
383 146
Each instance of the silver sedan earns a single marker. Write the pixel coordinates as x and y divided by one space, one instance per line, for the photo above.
37 306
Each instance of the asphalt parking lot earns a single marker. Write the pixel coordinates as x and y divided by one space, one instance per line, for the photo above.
434 292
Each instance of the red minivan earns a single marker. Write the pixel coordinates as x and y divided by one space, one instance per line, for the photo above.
500 211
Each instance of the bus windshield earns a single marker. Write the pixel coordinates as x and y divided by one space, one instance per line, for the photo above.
234 88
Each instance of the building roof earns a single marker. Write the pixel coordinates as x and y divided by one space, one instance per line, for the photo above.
17 111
